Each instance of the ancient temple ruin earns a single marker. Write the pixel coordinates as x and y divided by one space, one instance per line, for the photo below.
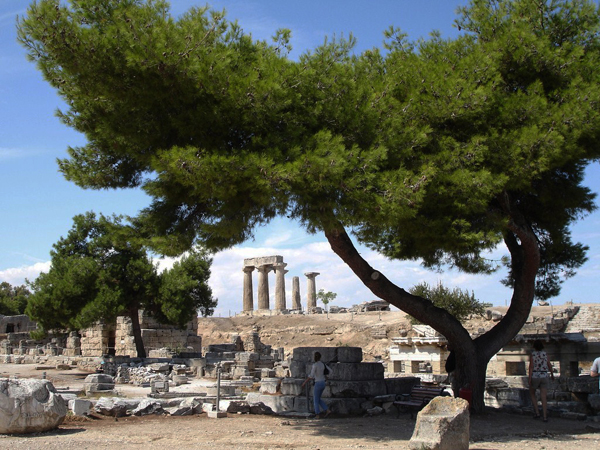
263 266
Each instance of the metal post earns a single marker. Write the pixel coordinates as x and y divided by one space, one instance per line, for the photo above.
218 386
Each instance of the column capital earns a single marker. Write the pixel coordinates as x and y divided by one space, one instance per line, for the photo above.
248 269
311 274
265 268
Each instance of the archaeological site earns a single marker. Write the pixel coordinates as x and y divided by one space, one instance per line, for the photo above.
256 362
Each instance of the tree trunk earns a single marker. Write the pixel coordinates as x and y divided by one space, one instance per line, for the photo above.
137 332
472 356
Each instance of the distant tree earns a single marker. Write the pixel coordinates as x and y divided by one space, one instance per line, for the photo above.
185 288
326 297
13 299
436 150
457 302
99 272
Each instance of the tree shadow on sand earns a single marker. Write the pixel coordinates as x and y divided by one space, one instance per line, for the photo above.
488 427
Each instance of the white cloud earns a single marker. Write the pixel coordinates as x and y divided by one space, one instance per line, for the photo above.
16 276
227 277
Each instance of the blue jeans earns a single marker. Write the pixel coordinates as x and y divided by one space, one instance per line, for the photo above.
320 405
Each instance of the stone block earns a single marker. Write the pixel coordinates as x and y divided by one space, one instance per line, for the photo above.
594 400
277 403
240 371
67 397
269 385
235 406
282 372
80 407
442 425
301 404
292 386
180 410
98 382
345 406
298 369
585 384
573 406
180 379
267 373
246 356
219 348
29 406
349 354
158 367
225 390
353 389
115 407
400 385
356 372
147 407
307 354
513 397
159 386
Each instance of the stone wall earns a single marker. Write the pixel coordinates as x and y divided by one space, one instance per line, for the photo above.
118 338
15 324
96 340
352 385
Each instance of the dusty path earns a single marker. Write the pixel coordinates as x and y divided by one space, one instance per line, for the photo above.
488 432
494 431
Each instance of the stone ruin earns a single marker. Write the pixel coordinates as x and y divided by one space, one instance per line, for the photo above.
257 379
571 337
263 266
353 386
101 339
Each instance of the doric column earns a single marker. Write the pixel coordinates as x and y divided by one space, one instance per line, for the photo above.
280 286
296 303
248 301
311 295
263 286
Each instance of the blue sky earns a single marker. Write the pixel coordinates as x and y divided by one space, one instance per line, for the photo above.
37 204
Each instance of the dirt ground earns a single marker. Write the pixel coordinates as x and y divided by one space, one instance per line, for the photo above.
489 431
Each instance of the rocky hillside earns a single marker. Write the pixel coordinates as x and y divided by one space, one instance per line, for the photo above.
370 330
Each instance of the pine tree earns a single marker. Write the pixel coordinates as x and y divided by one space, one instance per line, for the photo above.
436 150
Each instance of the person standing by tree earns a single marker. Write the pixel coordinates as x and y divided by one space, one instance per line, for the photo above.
317 373
539 367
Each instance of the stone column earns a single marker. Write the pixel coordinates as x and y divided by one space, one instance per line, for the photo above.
296 303
311 295
280 286
263 286
248 302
